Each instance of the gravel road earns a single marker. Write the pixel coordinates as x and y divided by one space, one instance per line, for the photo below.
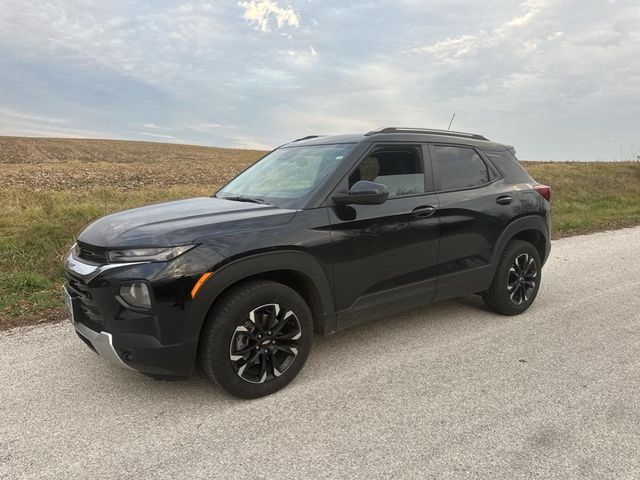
448 391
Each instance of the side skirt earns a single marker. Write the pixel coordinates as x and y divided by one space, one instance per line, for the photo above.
467 281
385 303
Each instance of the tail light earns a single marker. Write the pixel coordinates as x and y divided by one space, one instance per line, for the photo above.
543 190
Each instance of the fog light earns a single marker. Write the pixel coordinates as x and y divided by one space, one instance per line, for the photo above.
136 294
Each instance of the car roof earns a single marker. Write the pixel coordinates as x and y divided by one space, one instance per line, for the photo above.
391 134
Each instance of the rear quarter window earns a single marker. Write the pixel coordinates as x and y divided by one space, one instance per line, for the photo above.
511 169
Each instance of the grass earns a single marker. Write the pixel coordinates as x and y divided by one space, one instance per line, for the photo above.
590 197
51 188
36 229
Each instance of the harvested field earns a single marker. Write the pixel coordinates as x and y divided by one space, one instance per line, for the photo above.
54 150
54 164
120 177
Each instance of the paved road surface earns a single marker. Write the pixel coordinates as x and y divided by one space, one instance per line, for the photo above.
448 391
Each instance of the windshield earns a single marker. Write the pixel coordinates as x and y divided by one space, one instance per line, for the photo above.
286 175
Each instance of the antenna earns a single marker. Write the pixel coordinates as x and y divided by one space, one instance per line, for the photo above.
452 117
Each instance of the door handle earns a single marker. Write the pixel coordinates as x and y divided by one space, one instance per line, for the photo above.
504 200
424 211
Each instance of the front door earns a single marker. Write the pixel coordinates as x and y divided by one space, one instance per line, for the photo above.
385 255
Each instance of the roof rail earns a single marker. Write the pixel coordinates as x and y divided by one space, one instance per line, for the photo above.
426 131
305 138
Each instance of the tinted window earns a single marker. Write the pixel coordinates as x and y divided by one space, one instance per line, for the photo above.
287 173
399 169
459 167
511 168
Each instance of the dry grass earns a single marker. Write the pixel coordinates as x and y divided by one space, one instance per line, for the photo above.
51 188
590 196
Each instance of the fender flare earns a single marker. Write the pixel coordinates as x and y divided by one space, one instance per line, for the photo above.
529 222
255 264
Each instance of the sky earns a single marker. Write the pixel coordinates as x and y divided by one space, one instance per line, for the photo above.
559 79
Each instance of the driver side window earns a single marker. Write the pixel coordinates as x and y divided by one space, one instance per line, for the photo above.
399 168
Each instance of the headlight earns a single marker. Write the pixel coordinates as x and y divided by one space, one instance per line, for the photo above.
147 254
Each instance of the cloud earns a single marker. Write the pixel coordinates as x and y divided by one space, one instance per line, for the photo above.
157 135
21 123
207 128
543 55
117 37
303 58
560 70
458 49
533 8
14 125
260 13
450 49
28 116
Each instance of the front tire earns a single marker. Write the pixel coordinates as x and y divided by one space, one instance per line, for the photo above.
256 338
516 281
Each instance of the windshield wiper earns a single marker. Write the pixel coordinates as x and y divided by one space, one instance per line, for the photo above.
242 198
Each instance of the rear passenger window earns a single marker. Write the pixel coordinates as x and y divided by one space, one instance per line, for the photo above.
459 167
399 169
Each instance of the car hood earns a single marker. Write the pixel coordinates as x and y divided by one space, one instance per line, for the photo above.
181 222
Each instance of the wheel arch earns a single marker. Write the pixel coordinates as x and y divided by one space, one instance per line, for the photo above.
298 270
532 229
535 238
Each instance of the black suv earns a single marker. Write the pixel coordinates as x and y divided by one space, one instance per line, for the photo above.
320 234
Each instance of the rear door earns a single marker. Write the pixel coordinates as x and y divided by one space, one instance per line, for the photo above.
476 205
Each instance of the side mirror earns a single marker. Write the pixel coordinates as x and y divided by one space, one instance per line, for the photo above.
364 193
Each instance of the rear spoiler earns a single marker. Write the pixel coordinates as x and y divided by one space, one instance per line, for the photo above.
511 148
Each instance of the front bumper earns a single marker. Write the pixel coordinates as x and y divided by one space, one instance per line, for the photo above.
101 343
160 341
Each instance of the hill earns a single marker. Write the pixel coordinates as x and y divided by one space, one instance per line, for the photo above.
46 150
58 164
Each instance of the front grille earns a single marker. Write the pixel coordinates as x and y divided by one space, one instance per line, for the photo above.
87 311
91 253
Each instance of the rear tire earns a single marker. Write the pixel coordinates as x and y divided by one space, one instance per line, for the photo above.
516 281
256 338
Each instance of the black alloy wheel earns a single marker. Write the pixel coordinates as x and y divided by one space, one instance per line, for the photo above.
521 279
266 344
